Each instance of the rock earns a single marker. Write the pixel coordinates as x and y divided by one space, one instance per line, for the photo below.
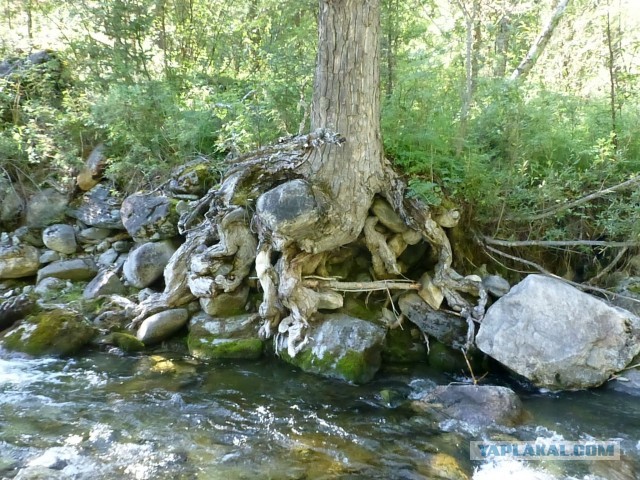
106 282
28 235
387 216
627 382
76 270
496 285
289 210
149 217
557 336
447 359
441 466
231 337
629 295
122 246
60 238
45 208
162 325
475 405
99 207
404 345
93 235
15 308
53 332
145 264
226 304
444 327
195 177
107 258
341 347
49 256
18 261
12 205
93 169
48 286
124 341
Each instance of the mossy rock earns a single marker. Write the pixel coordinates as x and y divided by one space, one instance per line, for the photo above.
404 345
341 347
216 338
54 332
226 348
124 341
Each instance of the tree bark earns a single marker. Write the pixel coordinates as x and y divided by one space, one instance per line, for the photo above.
347 100
540 43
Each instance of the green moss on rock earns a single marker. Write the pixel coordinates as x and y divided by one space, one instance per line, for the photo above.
404 346
341 347
126 342
53 332
241 348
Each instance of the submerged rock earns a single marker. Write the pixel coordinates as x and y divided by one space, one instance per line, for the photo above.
341 347
476 405
557 336
53 332
231 337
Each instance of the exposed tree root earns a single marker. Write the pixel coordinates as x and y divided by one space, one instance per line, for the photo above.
225 241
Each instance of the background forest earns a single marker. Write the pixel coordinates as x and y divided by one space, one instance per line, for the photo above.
161 82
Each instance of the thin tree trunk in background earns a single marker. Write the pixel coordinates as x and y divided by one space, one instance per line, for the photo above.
612 81
474 37
502 45
391 37
540 43
29 13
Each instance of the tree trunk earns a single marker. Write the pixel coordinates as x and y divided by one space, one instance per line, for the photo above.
347 100
540 43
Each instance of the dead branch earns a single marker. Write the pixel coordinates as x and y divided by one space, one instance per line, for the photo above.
542 270
587 198
609 267
557 243
360 286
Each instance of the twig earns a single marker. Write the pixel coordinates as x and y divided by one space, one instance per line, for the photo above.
608 268
587 198
557 243
542 270
361 286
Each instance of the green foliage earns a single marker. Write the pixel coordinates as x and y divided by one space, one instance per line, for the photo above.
163 82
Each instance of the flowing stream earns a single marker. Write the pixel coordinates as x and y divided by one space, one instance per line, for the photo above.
107 416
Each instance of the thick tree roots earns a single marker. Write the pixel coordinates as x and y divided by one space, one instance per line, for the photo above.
229 245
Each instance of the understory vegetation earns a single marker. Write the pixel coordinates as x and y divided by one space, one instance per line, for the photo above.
160 82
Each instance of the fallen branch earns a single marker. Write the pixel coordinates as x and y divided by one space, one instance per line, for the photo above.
557 243
592 196
609 267
360 286
542 270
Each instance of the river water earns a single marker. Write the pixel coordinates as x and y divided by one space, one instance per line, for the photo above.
107 416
